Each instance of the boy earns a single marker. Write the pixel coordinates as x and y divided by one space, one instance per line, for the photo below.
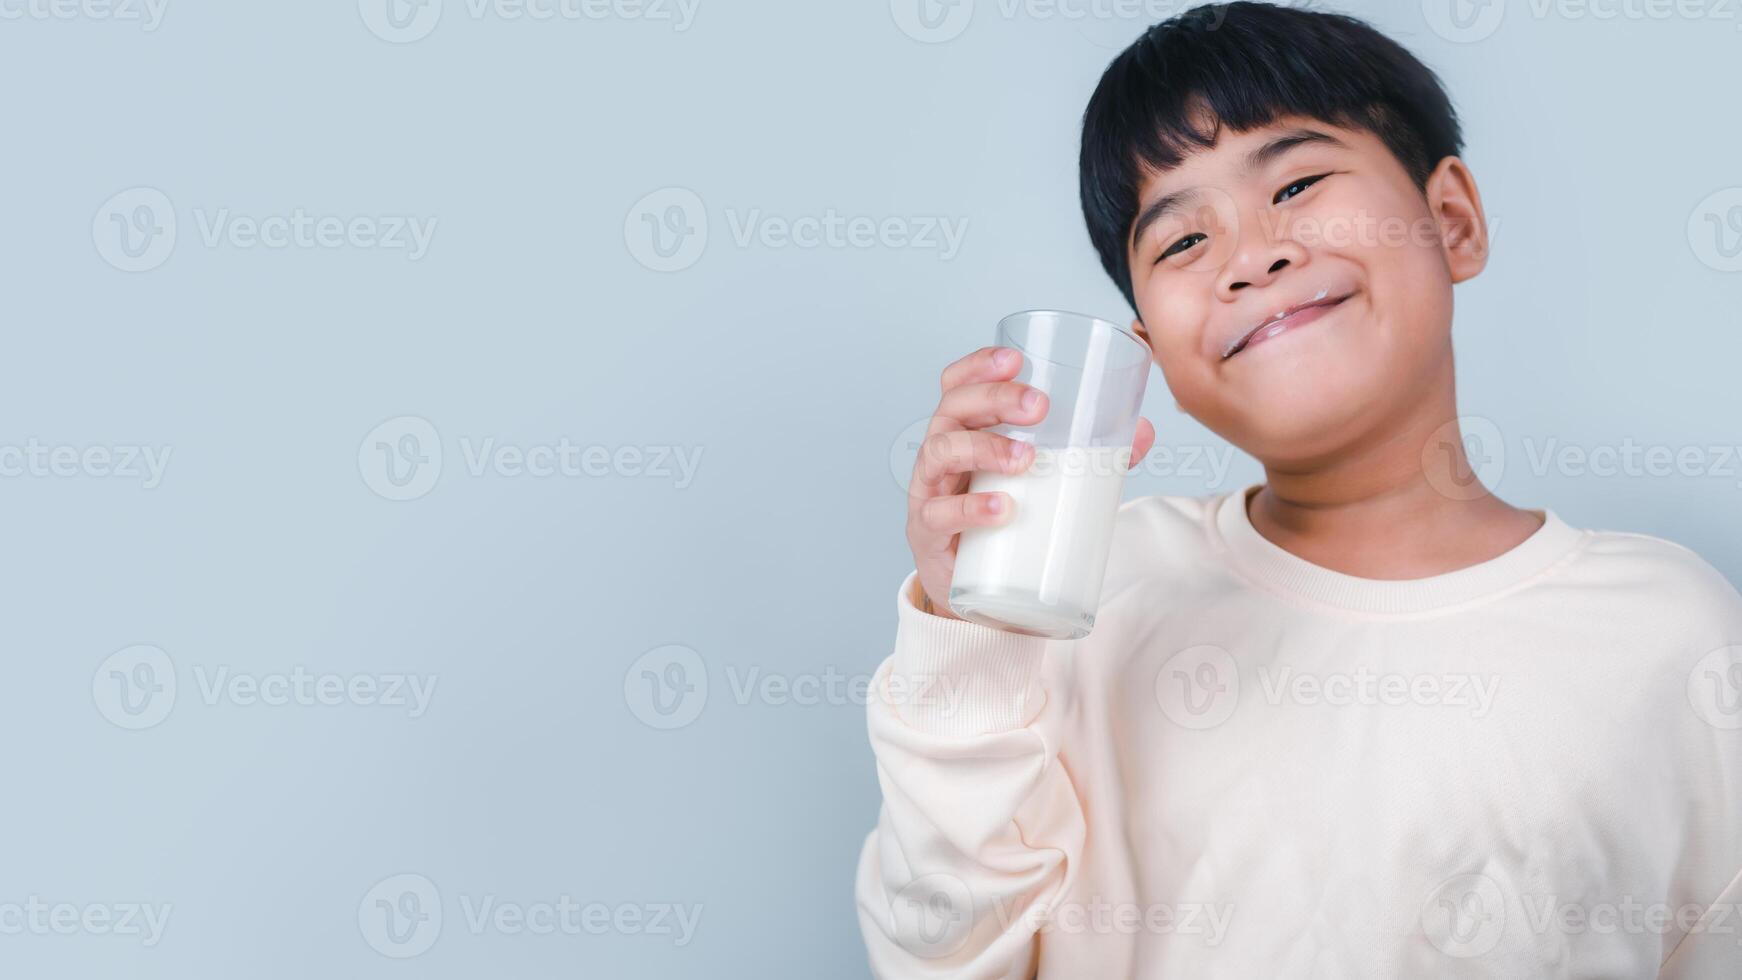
1363 719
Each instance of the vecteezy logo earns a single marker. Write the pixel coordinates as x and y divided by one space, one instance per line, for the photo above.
1463 21
932 916
1474 471
904 451
401 916
1715 688
932 21
135 230
401 459
667 230
135 687
400 21
1198 687
666 687
1464 916
1715 230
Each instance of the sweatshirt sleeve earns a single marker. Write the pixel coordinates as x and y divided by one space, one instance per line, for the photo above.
1709 883
980 829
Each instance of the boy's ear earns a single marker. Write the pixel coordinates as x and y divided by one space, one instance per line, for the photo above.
1457 209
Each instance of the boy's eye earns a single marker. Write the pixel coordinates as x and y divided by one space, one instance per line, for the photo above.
1296 187
1181 245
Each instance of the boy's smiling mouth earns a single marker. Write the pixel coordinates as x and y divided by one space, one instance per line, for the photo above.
1284 320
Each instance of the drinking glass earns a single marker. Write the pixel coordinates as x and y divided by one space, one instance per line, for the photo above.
1040 572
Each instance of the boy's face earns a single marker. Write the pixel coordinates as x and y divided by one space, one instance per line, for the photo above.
1323 224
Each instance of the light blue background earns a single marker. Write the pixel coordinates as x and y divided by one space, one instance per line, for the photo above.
795 372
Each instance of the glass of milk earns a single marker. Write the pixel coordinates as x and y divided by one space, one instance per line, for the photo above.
1040 572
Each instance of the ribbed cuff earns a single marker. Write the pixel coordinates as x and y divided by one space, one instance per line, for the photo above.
953 677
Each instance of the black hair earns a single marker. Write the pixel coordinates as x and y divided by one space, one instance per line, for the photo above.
1247 64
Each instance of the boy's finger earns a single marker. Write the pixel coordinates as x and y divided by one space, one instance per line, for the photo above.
980 404
985 364
967 450
960 511
1144 442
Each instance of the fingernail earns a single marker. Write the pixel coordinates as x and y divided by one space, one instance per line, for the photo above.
1030 399
995 504
1002 356
1018 451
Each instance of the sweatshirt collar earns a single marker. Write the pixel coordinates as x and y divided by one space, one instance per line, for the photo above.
1272 566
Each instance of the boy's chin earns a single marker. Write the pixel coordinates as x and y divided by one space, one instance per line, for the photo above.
1299 419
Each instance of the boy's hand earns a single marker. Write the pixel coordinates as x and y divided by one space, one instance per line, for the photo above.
977 392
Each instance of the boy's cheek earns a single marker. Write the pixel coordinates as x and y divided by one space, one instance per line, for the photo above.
1191 379
1410 286
1175 335
1359 216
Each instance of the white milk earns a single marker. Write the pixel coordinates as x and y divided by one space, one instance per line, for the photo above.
1040 572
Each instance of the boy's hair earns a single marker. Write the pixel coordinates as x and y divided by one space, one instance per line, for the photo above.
1247 64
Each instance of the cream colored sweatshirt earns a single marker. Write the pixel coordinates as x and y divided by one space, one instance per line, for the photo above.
1258 768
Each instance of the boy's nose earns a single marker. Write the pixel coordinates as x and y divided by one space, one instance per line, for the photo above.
1275 267
1256 261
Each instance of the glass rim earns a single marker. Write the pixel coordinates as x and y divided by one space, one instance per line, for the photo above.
1117 329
